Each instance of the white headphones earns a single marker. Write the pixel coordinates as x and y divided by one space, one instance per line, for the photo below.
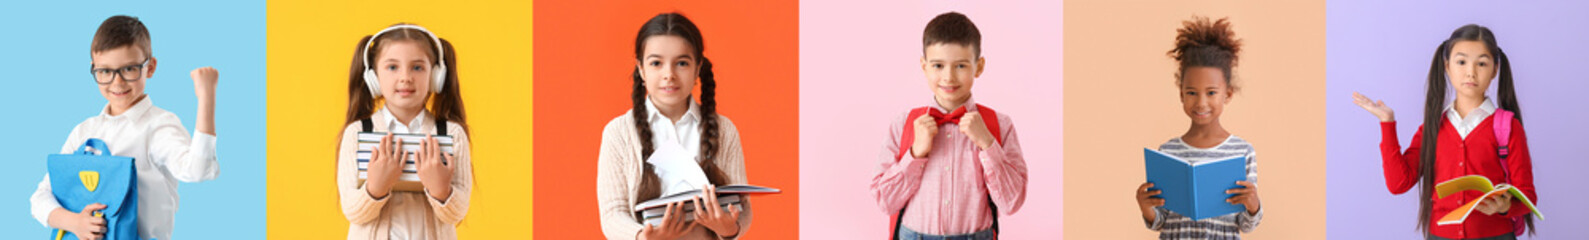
438 76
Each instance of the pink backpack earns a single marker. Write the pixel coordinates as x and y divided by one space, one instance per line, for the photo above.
1503 135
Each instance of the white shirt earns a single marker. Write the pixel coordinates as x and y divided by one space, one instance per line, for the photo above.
418 125
676 158
413 126
163 153
1475 117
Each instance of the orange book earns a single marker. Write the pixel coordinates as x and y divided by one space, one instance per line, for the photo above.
1481 184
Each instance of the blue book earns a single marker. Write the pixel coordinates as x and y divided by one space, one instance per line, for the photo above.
1195 190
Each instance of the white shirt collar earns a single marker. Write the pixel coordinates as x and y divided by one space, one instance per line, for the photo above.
691 115
137 108
413 126
1475 117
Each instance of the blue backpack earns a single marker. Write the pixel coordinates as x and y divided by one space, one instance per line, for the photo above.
84 178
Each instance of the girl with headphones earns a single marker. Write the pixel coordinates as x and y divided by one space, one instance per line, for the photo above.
405 67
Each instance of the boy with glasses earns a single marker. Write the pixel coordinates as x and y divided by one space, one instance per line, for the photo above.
122 60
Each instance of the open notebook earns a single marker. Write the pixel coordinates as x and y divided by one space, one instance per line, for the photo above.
1481 184
1196 190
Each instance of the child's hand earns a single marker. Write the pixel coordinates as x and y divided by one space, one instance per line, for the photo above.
85 225
710 214
1495 204
673 225
204 80
435 173
926 128
386 164
1378 108
1146 200
972 126
1247 196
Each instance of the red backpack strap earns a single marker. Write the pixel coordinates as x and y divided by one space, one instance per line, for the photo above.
991 118
906 139
907 136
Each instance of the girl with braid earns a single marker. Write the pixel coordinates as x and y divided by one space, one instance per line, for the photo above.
667 143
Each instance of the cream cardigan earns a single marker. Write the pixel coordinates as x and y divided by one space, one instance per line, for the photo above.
425 217
619 169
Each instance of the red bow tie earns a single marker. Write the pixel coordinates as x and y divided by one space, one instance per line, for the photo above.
952 117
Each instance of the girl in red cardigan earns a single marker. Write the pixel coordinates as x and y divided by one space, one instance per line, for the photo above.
1460 139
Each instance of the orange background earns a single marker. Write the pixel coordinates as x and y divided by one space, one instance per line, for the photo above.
1120 96
585 53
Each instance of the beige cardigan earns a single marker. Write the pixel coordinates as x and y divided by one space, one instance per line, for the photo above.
422 216
619 169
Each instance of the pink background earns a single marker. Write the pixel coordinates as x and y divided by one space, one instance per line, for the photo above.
860 68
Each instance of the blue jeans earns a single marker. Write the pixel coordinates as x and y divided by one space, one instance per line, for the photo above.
907 234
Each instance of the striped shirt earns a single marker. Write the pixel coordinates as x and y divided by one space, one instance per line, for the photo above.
1174 226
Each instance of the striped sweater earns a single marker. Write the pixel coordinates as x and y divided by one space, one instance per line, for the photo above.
1174 226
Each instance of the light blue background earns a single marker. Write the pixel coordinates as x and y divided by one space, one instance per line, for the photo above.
48 91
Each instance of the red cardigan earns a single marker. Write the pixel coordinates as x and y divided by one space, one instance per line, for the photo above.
1458 157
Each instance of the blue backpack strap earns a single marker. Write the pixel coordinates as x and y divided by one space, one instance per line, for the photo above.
95 144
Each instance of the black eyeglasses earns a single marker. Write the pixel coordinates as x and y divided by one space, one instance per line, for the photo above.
129 73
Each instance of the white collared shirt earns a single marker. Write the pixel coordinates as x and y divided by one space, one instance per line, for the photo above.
676 158
163 152
418 125
413 126
1475 117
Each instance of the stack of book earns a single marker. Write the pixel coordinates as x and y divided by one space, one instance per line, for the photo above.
409 181
652 211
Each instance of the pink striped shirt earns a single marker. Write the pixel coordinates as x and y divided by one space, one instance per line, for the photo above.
947 192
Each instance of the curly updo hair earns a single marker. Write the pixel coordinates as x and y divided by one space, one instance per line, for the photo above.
1201 42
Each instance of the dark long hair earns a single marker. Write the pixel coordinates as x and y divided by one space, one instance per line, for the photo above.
1434 106
674 24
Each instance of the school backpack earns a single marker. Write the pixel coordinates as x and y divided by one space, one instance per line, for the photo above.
906 139
92 175
1503 135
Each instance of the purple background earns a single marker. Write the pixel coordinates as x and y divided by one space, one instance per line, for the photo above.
1383 49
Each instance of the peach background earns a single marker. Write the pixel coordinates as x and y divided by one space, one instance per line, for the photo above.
1122 97
585 53
860 68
